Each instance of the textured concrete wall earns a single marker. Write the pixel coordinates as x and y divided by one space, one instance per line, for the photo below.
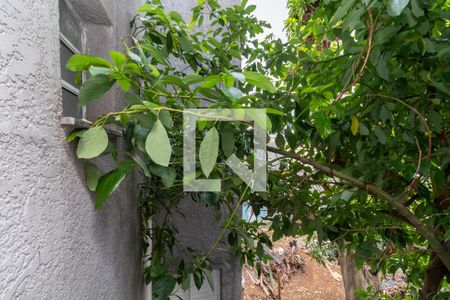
53 243
198 228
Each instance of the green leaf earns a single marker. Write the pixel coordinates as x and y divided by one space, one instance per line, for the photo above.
118 58
227 140
274 111
238 76
109 182
363 130
209 277
416 9
395 7
125 84
279 141
435 121
261 120
441 87
209 149
382 69
323 125
211 81
186 44
341 11
437 180
140 162
186 283
82 62
175 16
380 135
232 93
148 8
346 195
166 118
157 270
172 79
212 94
260 81
156 53
157 144
167 174
92 143
162 288
93 88
193 79
75 134
198 278
93 174
94 71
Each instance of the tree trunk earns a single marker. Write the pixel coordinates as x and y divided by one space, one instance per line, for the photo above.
436 270
434 274
355 278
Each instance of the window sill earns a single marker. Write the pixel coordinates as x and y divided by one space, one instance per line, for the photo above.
82 123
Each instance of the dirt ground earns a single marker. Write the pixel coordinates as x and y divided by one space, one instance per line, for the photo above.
317 282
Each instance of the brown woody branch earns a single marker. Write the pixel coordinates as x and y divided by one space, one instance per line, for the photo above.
403 211
371 27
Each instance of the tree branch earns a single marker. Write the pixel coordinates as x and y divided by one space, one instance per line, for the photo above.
435 243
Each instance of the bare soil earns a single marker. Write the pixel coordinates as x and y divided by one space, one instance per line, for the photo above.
317 282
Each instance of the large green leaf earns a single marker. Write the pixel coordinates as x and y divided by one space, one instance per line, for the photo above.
175 80
163 287
209 149
382 69
76 134
166 118
95 71
82 62
156 53
193 79
117 57
260 81
380 135
92 143
157 145
227 140
140 162
395 7
211 81
210 278
109 182
260 119
342 11
323 125
232 93
93 88
93 174
167 174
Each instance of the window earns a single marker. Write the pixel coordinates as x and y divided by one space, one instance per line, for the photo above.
70 42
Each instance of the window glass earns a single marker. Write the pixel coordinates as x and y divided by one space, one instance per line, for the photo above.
70 25
65 54
70 43
70 106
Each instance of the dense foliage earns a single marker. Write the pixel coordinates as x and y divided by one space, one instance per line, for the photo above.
358 108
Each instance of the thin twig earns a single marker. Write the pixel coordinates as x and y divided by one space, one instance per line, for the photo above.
371 27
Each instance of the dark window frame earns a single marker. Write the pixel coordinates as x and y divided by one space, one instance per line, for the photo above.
65 85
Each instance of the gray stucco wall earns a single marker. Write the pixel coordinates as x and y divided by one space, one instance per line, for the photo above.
53 243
